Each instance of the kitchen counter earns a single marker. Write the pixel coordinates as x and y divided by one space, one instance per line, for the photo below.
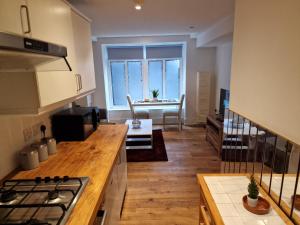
221 202
95 158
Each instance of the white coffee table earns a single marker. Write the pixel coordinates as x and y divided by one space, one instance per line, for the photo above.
140 138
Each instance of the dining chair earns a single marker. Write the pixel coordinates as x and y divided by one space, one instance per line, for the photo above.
174 113
137 113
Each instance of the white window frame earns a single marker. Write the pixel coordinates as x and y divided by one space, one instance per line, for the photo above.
164 71
126 78
146 91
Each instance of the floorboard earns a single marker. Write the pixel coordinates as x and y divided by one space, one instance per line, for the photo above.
166 193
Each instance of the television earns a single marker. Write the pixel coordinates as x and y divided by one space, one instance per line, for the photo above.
224 102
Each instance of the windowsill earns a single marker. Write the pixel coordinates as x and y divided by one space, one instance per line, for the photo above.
119 108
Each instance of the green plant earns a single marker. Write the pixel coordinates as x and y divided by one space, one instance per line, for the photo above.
252 188
155 93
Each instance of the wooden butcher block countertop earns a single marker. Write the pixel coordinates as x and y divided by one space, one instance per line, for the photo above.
94 158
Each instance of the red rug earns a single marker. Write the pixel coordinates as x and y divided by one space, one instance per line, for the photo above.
158 152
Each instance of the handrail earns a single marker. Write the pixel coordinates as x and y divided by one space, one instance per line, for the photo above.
250 148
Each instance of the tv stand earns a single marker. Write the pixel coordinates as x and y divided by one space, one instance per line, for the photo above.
214 132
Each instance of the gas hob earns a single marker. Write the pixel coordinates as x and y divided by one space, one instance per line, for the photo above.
40 201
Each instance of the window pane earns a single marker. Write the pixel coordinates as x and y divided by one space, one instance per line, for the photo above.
155 77
135 80
172 79
118 83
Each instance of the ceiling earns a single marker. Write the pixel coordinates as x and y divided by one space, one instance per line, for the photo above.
113 18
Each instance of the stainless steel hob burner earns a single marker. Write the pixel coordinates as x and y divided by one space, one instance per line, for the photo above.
38 201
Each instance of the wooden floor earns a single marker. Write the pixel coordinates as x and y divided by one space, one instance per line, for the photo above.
166 193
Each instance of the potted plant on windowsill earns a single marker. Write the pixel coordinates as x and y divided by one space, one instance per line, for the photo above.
253 192
155 94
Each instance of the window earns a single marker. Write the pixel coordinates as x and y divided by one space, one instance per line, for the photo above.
137 70
155 76
135 80
118 82
126 78
172 79
164 75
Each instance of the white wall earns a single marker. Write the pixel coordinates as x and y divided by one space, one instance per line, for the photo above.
223 70
198 59
265 82
12 138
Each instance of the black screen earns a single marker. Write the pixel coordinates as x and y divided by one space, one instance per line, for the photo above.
224 102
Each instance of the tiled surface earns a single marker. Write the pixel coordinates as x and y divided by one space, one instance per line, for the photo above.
287 190
227 192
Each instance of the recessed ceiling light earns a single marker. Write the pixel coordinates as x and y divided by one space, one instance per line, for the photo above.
191 27
138 4
138 7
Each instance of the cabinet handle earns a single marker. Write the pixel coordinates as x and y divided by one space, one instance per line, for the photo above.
27 18
77 82
80 82
206 219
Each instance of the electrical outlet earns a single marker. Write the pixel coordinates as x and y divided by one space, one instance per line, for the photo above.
35 130
27 134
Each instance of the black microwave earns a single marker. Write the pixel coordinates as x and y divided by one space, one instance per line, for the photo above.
75 124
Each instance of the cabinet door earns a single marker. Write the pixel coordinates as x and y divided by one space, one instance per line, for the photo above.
110 199
51 21
10 16
84 52
115 212
122 174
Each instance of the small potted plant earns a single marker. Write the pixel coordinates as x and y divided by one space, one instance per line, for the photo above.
155 94
253 192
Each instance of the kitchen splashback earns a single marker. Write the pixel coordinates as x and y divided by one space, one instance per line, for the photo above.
17 132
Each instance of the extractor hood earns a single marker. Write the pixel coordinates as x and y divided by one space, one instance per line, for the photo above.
18 53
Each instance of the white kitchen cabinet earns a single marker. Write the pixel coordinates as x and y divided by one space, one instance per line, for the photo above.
116 189
109 201
51 21
10 16
122 176
83 53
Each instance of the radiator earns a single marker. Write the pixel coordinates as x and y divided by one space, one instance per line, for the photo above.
203 95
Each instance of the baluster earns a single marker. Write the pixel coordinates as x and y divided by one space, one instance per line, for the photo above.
273 163
242 140
263 158
230 140
247 158
226 158
283 172
255 150
236 136
295 190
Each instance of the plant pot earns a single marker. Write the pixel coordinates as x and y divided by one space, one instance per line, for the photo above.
155 99
252 202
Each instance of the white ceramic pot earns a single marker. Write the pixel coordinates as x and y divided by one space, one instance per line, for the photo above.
155 99
29 158
51 144
252 202
43 152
